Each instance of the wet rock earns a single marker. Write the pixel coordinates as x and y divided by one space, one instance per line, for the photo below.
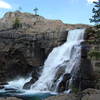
60 72
1 87
3 83
35 76
10 89
10 98
63 85
84 50
29 84
84 77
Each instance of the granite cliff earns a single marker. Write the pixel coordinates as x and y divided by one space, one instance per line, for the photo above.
23 50
26 47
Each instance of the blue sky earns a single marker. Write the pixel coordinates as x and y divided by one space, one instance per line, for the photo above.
69 11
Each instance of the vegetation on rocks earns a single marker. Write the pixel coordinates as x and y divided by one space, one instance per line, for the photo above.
93 40
88 94
94 54
17 24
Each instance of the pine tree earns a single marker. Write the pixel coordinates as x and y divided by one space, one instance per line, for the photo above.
96 11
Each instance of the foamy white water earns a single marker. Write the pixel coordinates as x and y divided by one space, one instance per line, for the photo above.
18 83
69 54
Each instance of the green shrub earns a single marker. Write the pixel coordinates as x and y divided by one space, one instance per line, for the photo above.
17 24
90 30
74 89
94 54
97 26
91 41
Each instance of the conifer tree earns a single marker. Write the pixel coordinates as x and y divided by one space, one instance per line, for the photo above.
96 11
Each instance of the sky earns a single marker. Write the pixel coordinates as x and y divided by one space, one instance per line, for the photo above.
69 11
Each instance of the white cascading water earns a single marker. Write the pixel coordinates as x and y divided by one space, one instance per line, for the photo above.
18 83
69 54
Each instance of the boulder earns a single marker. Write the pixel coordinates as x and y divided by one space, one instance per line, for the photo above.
1 87
63 85
63 97
88 94
35 76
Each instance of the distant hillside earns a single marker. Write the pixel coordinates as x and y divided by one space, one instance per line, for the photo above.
34 23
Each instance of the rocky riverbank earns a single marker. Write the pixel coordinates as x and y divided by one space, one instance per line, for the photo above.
88 94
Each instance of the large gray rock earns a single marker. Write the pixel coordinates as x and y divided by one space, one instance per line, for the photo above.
63 97
64 84
88 94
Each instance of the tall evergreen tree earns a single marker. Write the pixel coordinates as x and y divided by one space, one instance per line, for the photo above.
96 11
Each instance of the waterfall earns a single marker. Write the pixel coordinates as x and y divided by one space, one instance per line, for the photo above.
66 57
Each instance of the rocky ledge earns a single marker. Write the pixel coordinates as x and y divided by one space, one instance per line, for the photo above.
88 94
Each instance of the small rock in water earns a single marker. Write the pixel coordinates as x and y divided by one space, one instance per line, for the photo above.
63 85
10 89
1 87
3 83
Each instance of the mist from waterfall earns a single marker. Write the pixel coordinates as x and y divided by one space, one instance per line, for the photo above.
66 56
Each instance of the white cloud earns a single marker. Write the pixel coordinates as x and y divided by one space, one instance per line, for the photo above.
91 1
5 5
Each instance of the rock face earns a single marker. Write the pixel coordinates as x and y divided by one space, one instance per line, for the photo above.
93 41
24 49
83 77
31 23
88 94
63 85
25 52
